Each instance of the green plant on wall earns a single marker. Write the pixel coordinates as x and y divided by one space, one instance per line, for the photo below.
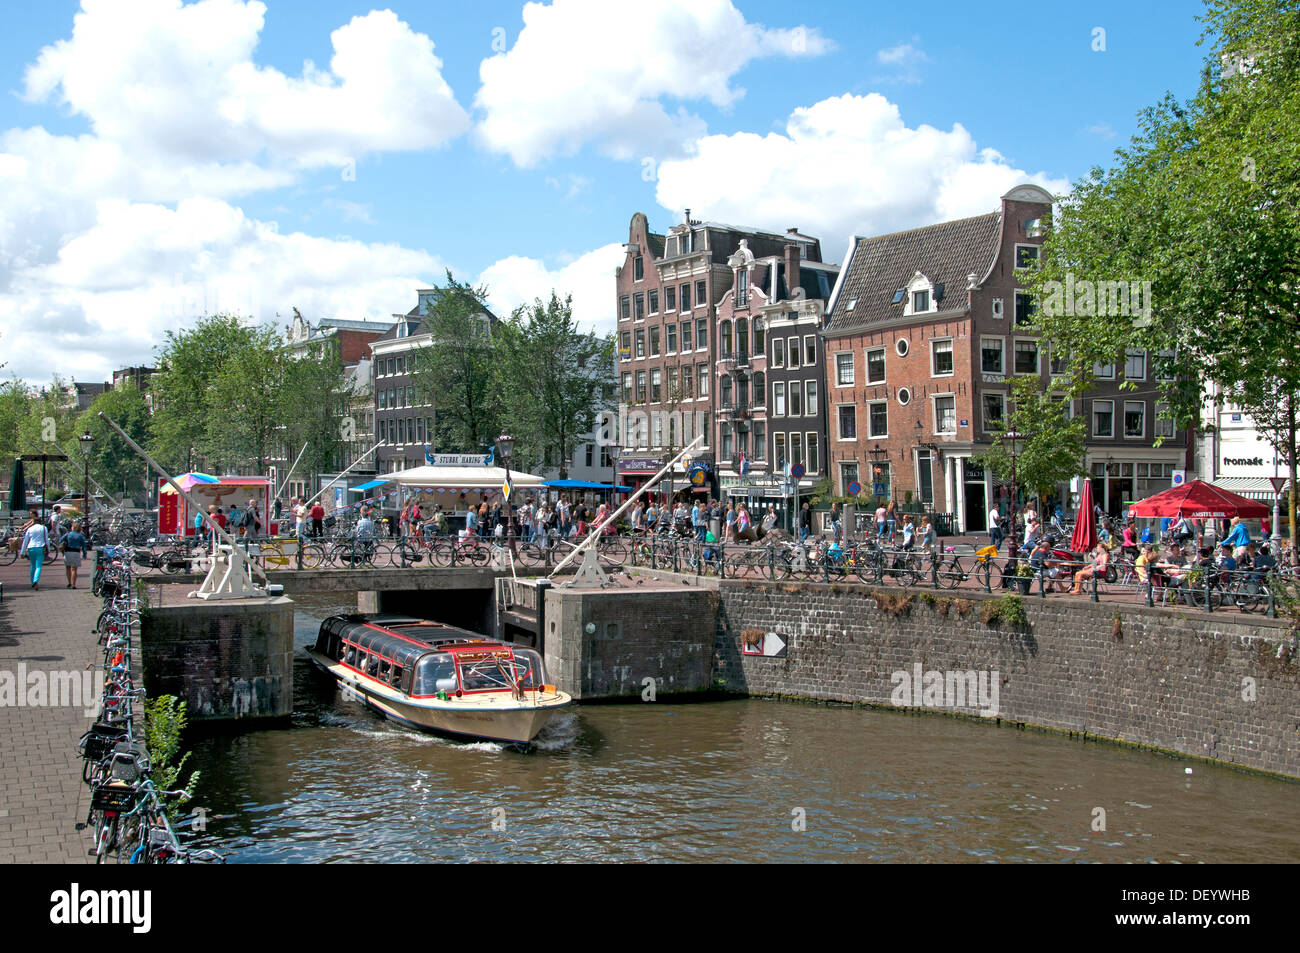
166 717
1008 609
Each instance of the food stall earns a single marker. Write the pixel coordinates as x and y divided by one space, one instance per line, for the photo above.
175 517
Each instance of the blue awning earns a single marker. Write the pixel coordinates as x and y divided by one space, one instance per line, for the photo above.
368 486
583 485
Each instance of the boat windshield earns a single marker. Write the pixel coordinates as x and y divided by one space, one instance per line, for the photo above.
496 671
433 674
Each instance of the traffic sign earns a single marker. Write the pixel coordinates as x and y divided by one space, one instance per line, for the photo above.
1278 483
855 488
1179 477
797 471
879 489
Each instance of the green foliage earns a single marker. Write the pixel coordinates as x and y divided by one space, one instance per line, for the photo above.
1053 446
112 463
166 718
311 405
1006 609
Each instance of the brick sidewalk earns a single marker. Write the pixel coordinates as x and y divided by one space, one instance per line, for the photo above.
42 796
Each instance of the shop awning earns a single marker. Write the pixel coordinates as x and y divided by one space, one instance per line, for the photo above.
1253 488
368 486
583 485
484 479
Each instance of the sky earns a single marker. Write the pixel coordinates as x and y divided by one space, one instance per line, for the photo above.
162 160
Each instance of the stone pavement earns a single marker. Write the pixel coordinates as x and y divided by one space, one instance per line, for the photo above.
42 796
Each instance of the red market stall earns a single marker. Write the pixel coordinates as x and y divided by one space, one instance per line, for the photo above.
175 517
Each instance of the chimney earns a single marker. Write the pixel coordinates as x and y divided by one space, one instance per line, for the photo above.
791 267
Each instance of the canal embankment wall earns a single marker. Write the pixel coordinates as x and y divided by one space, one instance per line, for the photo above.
1176 680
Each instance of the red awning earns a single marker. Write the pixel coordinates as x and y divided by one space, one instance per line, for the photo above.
1199 500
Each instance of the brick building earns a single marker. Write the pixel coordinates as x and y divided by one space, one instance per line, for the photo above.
925 330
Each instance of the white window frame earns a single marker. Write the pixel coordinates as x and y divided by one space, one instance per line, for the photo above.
795 386
988 424
952 353
1015 257
1163 424
810 458
999 309
884 360
839 370
1038 357
1130 355
810 396
1097 370
791 350
1143 405
1093 422
1002 355
934 412
839 436
779 405
877 403
810 343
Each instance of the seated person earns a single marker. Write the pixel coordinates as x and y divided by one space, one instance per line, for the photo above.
1040 561
1100 559
1261 562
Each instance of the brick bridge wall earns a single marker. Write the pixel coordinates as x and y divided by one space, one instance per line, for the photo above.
1167 679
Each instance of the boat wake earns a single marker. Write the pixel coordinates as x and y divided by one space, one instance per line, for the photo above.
558 733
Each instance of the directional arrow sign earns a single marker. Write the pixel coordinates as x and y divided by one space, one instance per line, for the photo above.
774 646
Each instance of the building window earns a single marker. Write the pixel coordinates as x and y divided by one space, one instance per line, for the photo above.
1026 308
778 454
656 386
625 307
1103 418
670 299
991 356
742 288
673 392
878 419
742 340
810 390
724 393
701 295
638 306
796 398
760 339
760 440
997 308
702 376
688 381
640 342
654 302
1135 365
809 350
796 448
671 331
778 400
724 338
995 406
701 334
812 462
1026 357
876 366
1165 365
726 440
1026 256
1164 424
638 269
654 341
1105 372
686 336
401 365
686 297
778 352
920 301
625 346
760 389
848 476
792 353
848 418
925 477
941 358
844 368
1135 419
1060 361
945 414
627 388
640 387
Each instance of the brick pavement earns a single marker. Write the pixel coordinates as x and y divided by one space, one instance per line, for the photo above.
42 796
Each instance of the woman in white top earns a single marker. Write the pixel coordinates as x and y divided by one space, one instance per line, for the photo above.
35 544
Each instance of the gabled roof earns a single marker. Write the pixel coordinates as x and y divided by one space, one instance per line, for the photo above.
945 253
656 243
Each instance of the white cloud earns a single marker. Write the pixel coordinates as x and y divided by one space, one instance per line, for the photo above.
845 165
1101 129
905 60
902 53
180 81
591 71
589 278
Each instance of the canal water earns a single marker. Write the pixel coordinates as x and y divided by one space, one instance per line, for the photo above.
747 780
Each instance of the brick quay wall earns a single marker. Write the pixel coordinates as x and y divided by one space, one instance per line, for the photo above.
1190 683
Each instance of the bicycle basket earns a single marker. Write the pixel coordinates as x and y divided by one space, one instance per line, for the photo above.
113 797
100 740
130 762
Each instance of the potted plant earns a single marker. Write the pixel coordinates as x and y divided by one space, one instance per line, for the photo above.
1024 576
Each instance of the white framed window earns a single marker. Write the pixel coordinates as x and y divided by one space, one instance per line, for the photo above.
1135 365
1164 425
810 397
848 476
844 368
778 352
878 419
1135 420
1026 256
904 396
809 350
945 414
846 416
1103 418
994 406
796 448
876 365
1026 356
992 356
941 364
901 347
792 353
778 399
1165 363
920 301
1026 308
811 461
1103 372
796 398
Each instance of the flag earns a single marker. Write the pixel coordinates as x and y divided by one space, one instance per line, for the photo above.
492 455
744 464
428 455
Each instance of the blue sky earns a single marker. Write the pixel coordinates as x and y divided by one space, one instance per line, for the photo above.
164 161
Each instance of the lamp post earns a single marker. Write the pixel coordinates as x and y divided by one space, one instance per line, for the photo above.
1013 436
87 444
504 444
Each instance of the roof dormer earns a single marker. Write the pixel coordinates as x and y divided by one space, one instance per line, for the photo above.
920 296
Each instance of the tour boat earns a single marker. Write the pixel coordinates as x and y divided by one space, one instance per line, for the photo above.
439 678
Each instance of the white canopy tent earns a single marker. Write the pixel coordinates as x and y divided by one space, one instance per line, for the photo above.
482 479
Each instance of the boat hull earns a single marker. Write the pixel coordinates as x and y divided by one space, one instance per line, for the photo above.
502 718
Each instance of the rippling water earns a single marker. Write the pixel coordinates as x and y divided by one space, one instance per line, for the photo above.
720 781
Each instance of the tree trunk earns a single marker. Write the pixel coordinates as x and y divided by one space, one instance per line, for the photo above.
1291 452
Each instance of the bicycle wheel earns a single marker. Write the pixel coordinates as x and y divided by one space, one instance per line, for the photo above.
440 553
315 557
950 573
477 554
613 550
983 573
407 553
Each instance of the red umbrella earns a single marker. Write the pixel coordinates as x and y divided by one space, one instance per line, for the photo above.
1199 500
1085 522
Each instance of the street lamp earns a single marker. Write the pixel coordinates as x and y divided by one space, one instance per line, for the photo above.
878 455
87 444
1013 436
504 444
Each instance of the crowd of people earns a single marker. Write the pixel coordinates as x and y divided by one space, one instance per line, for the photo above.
43 536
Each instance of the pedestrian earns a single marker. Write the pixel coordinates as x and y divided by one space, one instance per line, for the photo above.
730 536
35 542
891 520
909 531
995 526
278 510
880 521
805 522
928 535
236 520
74 547
837 528
299 517
317 514
252 519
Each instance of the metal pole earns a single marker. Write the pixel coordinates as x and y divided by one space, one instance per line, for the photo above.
343 474
595 533
290 473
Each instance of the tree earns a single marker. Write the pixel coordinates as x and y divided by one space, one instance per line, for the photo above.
1052 448
1202 212
243 403
313 405
455 373
112 462
566 374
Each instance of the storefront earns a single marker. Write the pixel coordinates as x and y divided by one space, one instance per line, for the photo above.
176 516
